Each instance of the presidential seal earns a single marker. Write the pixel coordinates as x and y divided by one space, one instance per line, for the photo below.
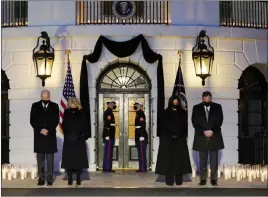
124 9
183 101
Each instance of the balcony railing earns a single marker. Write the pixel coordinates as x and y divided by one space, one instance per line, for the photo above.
14 13
124 12
249 14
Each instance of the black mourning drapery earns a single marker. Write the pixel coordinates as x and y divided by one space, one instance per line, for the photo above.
122 49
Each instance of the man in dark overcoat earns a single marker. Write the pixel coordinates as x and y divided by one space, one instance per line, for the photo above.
44 119
207 118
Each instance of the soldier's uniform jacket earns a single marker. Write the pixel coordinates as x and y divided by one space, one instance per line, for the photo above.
109 124
140 126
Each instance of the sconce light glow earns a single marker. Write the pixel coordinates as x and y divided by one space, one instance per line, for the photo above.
44 58
203 56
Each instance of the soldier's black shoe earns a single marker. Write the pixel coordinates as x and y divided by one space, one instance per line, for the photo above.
49 183
214 183
202 183
40 182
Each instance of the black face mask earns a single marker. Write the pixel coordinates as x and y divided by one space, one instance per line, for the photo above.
175 106
114 107
45 101
135 107
207 104
74 109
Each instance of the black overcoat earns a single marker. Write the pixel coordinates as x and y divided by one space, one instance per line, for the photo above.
200 123
41 119
74 126
173 154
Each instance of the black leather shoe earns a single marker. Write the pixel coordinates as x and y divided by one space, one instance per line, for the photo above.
111 171
202 183
78 182
214 183
49 183
40 182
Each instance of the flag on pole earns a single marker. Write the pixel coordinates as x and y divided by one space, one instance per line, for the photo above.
179 89
68 91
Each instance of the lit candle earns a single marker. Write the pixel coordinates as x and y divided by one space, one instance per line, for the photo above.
258 173
209 173
22 176
9 176
219 173
254 174
262 177
244 174
25 173
233 172
250 177
32 174
238 177
4 173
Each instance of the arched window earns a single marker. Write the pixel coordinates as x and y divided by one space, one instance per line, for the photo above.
252 120
122 77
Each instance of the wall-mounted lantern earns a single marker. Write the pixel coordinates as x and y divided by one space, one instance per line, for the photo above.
203 56
44 58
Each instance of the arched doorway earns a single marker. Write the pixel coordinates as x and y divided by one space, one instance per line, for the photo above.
4 118
125 83
252 117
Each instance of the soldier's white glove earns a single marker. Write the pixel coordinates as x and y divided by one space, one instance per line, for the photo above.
107 138
141 138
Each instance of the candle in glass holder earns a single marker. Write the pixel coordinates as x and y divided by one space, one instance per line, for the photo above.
233 172
22 176
9 176
238 176
250 177
193 173
219 173
254 174
262 177
4 173
32 174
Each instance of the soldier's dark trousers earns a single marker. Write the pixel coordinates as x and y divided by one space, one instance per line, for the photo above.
108 155
142 146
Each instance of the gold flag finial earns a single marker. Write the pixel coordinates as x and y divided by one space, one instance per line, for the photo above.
68 52
180 52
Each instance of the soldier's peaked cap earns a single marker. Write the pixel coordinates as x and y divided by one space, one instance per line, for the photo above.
110 101
138 103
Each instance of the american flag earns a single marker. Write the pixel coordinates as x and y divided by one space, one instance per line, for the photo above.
68 91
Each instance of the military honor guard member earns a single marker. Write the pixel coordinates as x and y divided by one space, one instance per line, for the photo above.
141 136
108 136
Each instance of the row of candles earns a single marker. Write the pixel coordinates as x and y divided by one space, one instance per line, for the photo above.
10 171
239 171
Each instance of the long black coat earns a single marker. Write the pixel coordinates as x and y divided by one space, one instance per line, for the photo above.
74 126
173 154
200 123
41 119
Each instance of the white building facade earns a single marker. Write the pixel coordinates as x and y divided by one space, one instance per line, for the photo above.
236 48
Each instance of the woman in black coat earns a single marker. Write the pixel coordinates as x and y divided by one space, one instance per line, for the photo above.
173 158
74 153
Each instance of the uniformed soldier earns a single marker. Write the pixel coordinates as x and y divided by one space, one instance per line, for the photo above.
108 136
141 136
